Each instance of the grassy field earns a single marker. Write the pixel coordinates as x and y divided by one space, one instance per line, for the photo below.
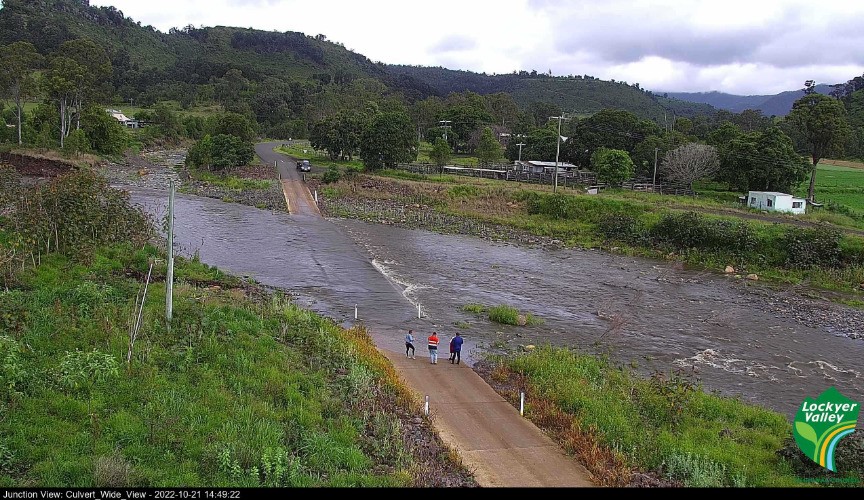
457 160
839 184
615 421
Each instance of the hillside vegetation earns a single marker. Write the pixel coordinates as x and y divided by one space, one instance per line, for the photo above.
579 94
242 388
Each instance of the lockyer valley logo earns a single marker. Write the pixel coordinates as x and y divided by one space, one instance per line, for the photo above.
820 424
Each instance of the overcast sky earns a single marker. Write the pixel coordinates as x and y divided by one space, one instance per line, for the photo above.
736 46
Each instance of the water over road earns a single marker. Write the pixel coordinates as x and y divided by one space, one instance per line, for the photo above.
643 312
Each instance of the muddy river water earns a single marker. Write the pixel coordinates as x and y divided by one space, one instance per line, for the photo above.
647 314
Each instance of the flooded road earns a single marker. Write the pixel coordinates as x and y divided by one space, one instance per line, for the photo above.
644 313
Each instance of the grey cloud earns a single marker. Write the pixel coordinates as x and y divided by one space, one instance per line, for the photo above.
453 43
628 34
680 44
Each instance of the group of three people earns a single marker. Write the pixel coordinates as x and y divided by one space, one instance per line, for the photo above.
455 347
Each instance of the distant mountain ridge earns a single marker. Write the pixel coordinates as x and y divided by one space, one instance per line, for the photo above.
770 105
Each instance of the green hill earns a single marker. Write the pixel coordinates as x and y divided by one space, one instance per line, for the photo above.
150 65
582 95
143 57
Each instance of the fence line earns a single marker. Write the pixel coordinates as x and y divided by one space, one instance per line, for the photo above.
580 178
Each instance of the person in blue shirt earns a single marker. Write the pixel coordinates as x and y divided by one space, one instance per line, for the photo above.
457 348
409 344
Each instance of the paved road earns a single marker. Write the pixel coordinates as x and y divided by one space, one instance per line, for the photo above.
297 195
493 440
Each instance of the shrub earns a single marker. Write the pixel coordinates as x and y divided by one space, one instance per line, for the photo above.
557 206
331 175
693 230
811 247
505 315
695 471
621 227
680 230
464 191
74 214
474 308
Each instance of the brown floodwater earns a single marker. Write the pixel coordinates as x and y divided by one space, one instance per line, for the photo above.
647 314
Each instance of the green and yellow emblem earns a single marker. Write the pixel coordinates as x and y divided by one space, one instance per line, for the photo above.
822 422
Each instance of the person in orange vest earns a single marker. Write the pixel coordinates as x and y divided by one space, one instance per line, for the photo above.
433 348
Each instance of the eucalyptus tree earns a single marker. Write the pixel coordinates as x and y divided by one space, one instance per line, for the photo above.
822 120
18 61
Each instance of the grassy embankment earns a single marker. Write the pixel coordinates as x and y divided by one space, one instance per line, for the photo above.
616 422
243 389
818 257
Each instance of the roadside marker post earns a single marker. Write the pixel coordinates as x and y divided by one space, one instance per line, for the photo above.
426 407
355 311
316 196
522 403
419 314
169 274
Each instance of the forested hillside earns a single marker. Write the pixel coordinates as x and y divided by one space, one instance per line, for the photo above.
576 94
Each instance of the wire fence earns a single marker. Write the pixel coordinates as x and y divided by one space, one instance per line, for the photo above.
570 179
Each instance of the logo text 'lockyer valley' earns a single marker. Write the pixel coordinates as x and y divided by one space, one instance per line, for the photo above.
820 424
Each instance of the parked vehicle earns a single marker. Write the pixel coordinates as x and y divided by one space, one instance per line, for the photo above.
304 166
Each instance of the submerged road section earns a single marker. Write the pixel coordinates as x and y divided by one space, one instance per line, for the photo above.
315 258
297 195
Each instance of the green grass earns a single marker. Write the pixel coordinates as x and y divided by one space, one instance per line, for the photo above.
457 160
841 185
660 424
230 181
503 314
317 158
474 308
236 393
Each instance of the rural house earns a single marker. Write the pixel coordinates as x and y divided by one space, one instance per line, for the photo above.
123 119
776 202
547 167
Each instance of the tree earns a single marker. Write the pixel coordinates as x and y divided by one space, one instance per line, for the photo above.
220 152
613 166
488 149
61 83
822 120
440 153
95 70
232 124
105 134
690 163
541 145
762 160
76 143
168 123
388 140
18 61
610 128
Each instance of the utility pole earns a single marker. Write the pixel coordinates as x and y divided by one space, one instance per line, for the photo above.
445 127
169 275
558 149
520 150
654 182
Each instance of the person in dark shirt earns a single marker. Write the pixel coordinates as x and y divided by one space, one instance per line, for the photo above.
456 344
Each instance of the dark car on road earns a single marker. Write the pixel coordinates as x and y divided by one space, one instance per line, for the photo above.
304 166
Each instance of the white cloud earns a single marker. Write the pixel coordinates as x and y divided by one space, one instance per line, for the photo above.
741 46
